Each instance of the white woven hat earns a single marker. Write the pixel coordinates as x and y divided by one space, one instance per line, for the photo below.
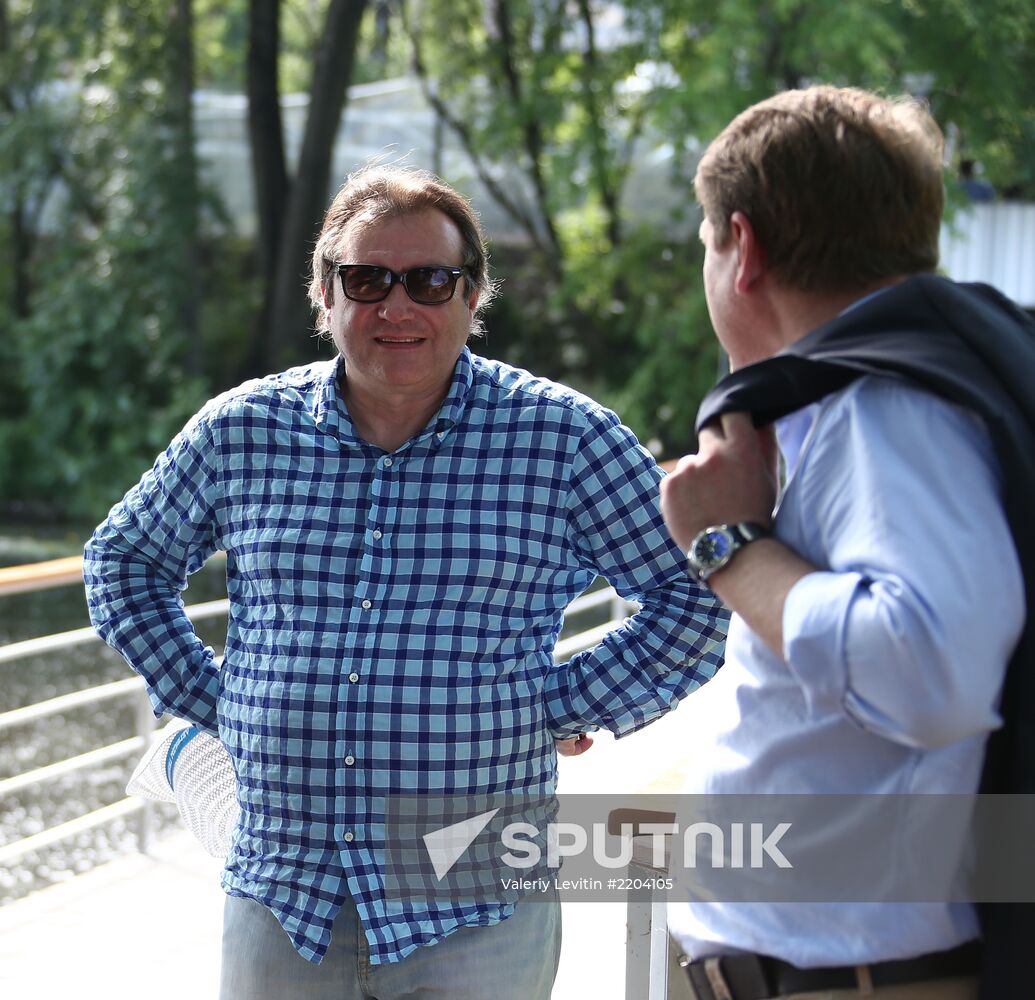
191 767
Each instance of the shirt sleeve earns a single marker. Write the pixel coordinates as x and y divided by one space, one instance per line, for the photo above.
137 563
910 624
674 643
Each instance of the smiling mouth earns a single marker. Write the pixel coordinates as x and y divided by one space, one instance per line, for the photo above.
399 340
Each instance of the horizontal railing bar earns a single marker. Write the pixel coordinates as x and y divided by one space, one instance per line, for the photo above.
209 609
595 599
212 609
584 640
72 764
38 841
49 573
46 644
31 713
76 637
57 572
41 575
65 702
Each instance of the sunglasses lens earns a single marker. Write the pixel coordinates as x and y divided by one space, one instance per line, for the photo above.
366 283
430 284
370 283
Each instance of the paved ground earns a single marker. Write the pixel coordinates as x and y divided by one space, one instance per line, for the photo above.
148 928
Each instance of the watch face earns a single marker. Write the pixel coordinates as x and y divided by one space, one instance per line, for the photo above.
711 549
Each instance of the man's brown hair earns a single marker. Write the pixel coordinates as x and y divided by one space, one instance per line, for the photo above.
842 187
383 191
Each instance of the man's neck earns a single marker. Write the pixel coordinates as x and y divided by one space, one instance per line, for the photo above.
388 421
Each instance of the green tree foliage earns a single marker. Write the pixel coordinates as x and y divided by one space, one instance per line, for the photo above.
551 102
125 297
127 300
973 60
551 97
94 327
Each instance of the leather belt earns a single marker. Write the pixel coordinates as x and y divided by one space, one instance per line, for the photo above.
759 977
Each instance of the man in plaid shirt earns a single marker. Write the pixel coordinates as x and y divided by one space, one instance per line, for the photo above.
404 526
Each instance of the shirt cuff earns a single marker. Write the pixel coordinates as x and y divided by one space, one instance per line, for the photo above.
815 616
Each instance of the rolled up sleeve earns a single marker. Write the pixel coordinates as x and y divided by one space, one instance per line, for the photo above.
908 628
675 642
136 564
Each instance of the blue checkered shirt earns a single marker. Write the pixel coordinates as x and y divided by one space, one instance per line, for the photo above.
393 617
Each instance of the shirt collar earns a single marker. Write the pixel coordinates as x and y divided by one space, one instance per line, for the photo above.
792 431
452 409
328 409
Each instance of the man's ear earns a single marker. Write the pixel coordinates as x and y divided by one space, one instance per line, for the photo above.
472 299
327 289
750 257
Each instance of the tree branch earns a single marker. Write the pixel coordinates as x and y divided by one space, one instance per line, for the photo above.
289 330
530 126
598 151
459 128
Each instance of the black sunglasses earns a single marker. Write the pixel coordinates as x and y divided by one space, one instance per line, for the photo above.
428 286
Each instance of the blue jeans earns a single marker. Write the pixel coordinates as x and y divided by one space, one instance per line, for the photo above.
513 960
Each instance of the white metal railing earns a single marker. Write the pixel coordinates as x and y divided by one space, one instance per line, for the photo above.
144 725
79 636
133 687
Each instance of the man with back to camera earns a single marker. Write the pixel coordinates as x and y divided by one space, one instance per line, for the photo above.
877 611
404 527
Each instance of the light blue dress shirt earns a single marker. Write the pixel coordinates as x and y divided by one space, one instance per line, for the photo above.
393 617
894 656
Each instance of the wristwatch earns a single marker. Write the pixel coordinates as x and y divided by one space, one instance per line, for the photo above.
714 547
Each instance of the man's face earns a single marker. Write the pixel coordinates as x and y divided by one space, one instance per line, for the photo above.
398 345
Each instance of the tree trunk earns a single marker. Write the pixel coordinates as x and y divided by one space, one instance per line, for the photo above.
269 166
288 334
181 109
21 253
534 142
266 133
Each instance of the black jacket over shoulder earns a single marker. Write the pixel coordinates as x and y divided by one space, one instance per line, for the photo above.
972 346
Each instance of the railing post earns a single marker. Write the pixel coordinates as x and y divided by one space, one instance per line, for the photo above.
646 949
145 726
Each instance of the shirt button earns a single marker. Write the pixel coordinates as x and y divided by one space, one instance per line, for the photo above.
349 837
366 605
350 760
353 677
377 534
386 463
